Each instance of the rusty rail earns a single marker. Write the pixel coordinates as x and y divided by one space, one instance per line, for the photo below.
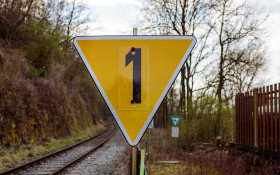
41 159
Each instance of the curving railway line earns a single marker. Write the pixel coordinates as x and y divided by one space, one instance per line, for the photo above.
58 161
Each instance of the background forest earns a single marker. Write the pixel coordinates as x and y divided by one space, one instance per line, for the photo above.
45 90
229 58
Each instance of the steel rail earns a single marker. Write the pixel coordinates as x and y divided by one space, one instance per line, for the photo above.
85 154
40 159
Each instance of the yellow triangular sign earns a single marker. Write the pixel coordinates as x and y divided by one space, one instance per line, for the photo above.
133 74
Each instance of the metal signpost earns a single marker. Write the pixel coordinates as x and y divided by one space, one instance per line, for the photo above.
133 74
175 130
134 159
134 151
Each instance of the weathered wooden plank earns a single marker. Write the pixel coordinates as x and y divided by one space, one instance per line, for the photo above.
267 116
271 118
278 114
259 111
256 116
243 120
236 121
240 118
264 119
252 118
275 119
246 118
236 118
249 117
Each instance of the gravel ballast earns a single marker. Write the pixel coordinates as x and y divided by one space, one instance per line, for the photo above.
105 160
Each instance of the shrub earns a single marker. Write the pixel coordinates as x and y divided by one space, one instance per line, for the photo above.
200 126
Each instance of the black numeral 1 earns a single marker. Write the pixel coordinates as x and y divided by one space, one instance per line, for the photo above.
135 56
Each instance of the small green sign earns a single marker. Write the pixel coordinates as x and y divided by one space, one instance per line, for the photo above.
175 120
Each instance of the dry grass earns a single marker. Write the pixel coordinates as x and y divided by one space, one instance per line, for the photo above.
204 159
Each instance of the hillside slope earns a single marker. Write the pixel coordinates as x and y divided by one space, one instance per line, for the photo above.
34 108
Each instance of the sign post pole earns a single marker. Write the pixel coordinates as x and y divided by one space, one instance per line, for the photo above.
175 144
142 166
133 160
134 154
175 130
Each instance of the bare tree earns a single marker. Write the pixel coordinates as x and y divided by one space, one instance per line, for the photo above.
181 17
71 17
13 14
241 77
237 45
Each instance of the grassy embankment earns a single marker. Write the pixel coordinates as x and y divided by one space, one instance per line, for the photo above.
38 115
17 153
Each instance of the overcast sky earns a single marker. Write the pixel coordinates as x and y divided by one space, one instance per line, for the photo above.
273 39
115 17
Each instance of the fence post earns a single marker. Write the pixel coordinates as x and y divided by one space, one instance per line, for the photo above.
234 120
255 118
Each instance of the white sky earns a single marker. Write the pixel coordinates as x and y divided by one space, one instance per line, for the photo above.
115 17
273 40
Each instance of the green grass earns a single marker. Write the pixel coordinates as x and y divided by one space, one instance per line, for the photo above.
18 153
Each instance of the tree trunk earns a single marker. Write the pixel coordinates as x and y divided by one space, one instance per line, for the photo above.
189 93
182 104
24 16
165 112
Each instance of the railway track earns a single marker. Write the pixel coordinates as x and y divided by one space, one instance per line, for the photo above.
58 161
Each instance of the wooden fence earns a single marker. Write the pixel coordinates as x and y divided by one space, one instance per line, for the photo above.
257 118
